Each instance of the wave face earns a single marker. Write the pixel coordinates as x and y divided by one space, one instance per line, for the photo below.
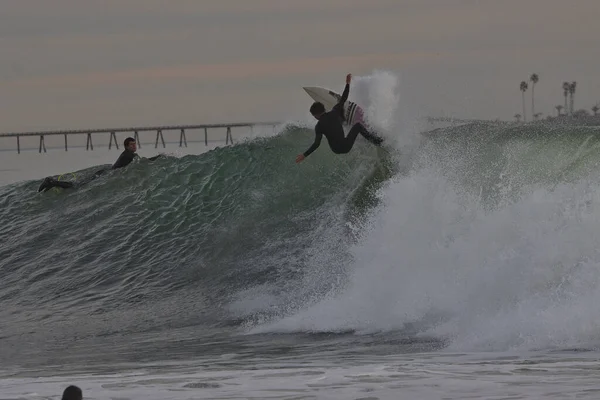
169 242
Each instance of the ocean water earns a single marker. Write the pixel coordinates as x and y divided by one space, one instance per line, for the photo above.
460 262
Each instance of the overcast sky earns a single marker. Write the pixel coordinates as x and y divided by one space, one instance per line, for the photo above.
104 63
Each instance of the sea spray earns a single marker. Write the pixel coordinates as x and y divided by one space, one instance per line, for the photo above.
518 270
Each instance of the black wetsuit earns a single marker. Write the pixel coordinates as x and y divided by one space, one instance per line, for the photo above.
126 157
330 126
50 182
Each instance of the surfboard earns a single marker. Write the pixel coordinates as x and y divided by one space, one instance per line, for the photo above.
353 113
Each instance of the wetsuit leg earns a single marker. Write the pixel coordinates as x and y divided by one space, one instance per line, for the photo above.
91 178
371 137
351 138
49 183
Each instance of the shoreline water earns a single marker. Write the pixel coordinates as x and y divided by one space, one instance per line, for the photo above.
422 375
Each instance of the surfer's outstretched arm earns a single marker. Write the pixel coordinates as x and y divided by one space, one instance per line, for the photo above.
339 107
346 89
316 143
313 147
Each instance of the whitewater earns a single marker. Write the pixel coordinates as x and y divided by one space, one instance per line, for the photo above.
462 262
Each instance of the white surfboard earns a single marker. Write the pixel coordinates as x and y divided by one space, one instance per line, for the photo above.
352 112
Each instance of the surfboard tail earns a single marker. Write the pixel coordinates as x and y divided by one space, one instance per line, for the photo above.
355 114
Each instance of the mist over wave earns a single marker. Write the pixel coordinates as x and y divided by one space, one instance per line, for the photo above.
521 276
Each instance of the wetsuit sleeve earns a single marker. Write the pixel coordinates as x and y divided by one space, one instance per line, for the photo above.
345 94
316 143
339 107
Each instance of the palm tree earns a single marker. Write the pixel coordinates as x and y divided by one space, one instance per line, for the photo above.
566 87
595 109
534 79
572 88
558 109
518 117
523 90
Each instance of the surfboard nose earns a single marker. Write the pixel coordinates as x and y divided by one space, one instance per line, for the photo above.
320 94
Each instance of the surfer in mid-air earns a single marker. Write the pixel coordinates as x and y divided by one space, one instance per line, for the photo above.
330 126
126 157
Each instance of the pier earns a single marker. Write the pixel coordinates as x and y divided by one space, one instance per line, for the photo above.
136 131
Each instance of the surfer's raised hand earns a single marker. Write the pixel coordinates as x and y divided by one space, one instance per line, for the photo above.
348 78
300 158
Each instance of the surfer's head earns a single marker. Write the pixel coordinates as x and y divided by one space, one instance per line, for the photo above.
317 109
130 144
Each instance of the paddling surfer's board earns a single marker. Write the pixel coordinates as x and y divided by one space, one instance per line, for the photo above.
352 112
